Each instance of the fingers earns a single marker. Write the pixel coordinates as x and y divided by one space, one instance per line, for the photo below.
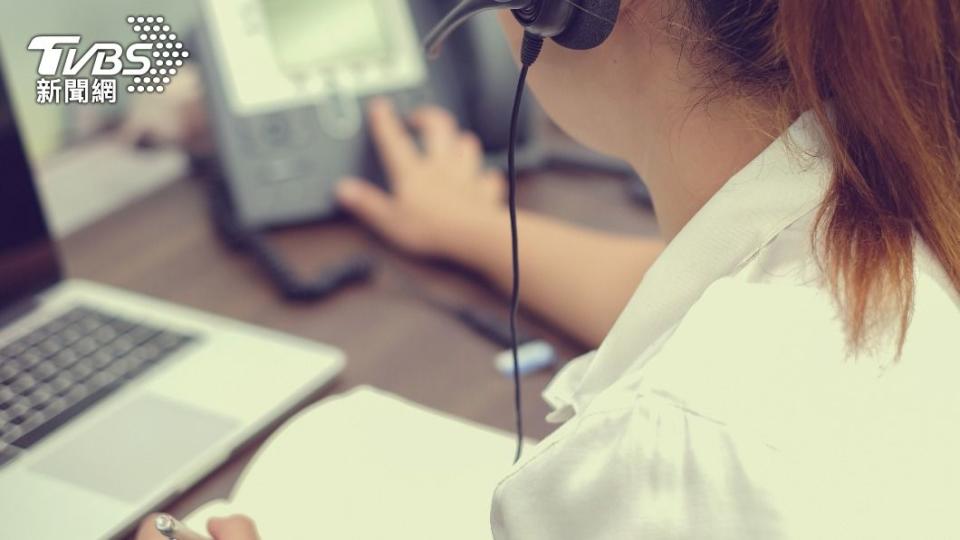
438 129
367 202
494 185
147 530
235 527
397 149
441 136
470 144
470 153
443 139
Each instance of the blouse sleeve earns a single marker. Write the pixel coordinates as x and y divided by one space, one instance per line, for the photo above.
652 470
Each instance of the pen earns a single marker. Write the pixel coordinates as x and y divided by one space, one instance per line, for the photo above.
168 526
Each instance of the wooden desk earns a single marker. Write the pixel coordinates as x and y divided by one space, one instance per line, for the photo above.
164 246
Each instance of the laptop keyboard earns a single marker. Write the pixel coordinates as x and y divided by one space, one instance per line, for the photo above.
62 368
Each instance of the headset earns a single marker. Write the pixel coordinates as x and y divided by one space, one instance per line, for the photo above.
573 24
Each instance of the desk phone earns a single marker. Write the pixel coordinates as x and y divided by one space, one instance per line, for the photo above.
287 82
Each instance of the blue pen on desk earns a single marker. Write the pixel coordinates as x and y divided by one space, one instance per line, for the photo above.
168 526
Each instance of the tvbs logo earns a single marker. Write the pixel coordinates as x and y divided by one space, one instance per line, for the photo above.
149 64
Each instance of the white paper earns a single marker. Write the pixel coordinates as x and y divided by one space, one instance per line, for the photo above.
370 465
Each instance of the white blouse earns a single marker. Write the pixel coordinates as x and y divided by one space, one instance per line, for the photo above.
725 403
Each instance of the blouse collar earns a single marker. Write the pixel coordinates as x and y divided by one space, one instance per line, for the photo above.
784 182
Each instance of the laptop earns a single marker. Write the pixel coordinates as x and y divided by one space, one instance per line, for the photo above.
112 402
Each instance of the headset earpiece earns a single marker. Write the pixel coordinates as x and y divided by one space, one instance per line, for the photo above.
590 23
574 24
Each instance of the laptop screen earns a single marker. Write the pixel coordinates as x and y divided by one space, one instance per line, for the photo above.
28 259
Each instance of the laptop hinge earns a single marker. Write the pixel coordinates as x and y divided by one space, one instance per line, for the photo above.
18 309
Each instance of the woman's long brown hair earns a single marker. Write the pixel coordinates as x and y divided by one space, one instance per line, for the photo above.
883 77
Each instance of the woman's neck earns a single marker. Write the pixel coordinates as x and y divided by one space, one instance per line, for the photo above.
684 142
690 154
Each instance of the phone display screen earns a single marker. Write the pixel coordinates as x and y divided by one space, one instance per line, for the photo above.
278 54
310 35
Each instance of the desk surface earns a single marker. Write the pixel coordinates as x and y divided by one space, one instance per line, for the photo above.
164 246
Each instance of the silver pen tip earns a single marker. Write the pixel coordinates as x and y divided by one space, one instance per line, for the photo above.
164 523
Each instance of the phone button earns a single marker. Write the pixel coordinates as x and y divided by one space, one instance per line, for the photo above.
340 116
279 170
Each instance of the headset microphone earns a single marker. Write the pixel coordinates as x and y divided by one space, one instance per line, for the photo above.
574 24
461 14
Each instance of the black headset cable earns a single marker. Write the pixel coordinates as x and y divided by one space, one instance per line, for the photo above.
529 51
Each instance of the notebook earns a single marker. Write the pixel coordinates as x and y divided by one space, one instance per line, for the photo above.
370 465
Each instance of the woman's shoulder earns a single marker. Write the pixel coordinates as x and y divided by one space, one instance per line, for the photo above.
782 295
773 333
778 306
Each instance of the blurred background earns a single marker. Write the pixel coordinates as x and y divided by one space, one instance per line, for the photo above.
90 159
216 187
217 193
50 131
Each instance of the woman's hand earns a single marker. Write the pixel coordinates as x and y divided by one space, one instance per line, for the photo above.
431 189
227 528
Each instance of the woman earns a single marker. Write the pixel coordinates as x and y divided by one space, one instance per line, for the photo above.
787 367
